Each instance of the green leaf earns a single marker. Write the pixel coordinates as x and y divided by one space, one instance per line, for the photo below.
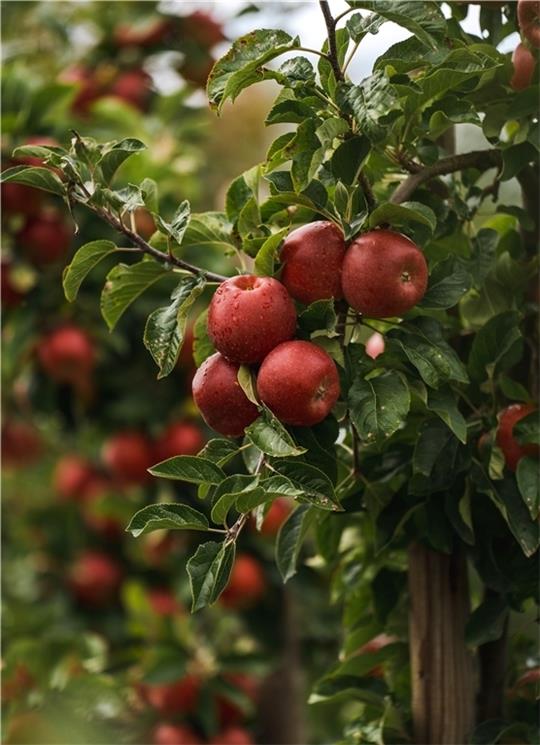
166 516
298 71
513 390
430 445
209 571
179 223
246 380
305 145
527 430
423 19
403 214
348 159
191 468
229 490
448 281
264 261
378 406
113 157
444 404
165 327
315 485
244 63
208 231
368 690
203 346
487 622
290 537
270 436
371 101
318 318
425 348
516 158
528 484
86 258
149 190
219 450
40 178
124 285
497 346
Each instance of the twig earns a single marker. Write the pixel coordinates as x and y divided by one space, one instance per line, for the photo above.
483 159
332 46
368 191
145 247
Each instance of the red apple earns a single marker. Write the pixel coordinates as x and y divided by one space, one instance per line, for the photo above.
180 438
512 450
384 274
375 345
312 258
133 87
276 516
249 316
144 222
228 712
233 736
163 602
95 578
201 28
299 383
196 70
89 89
45 239
524 64
66 354
172 698
111 527
18 199
71 477
158 548
246 584
21 443
128 456
150 33
528 13
174 734
11 294
220 399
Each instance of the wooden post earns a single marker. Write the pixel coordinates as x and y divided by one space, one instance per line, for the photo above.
443 689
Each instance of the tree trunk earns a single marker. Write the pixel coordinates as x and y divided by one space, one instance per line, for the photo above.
441 666
281 712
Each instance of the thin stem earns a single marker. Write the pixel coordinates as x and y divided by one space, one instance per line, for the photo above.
368 191
482 159
313 51
142 245
350 57
332 45
338 18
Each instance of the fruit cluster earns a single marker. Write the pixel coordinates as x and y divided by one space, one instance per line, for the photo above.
524 57
252 321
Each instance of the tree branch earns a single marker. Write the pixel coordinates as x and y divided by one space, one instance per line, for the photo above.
332 46
145 247
483 159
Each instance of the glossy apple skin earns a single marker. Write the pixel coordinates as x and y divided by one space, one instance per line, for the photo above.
512 450
375 345
133 87
249 316
299 383
66 354
246 584
312 259
524 64
180 438
174 734
21 443
45 239
233 736
128 456
528 13
71 476
220 399
94 578
384 274
171 698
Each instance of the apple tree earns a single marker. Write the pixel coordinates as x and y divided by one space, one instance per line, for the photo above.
370 353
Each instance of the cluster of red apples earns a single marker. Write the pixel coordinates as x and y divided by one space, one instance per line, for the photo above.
252 321
525 55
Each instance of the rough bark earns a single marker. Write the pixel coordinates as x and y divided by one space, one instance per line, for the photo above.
441 666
